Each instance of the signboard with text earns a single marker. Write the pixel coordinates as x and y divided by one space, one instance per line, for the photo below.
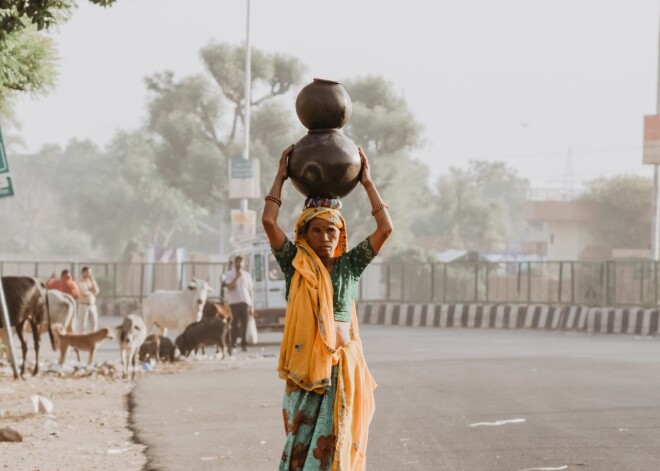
244 178
651 139
6 186
243 224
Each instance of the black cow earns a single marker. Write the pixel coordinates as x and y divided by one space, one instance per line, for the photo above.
207 332
27 302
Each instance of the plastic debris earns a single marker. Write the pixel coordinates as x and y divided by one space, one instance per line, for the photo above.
42 404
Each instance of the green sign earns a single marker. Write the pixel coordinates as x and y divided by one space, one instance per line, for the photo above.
241 168
6 187
4 165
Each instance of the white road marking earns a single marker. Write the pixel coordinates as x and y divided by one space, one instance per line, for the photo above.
499 422
545 469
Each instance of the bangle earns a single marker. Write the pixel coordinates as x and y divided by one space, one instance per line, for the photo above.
378 208
274 199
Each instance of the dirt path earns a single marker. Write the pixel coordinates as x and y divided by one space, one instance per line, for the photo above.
87 428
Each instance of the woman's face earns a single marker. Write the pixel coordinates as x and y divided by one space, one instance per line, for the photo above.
322 237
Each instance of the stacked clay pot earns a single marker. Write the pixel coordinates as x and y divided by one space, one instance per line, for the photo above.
324 163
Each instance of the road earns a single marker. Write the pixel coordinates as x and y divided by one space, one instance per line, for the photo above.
452 399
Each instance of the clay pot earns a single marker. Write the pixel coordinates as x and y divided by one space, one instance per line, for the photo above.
323 104
325 164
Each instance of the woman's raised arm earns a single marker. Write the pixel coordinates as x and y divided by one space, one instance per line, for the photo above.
276 235
379 211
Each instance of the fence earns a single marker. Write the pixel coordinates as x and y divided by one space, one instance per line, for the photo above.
620 283
585 283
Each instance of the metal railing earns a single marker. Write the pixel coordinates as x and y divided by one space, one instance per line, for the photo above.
620 283
586 283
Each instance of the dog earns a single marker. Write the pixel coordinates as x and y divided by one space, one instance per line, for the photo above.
85 342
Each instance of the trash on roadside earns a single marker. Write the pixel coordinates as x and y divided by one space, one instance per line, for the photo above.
42 404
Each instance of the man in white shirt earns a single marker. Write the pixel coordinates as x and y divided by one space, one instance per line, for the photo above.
87 302
241 300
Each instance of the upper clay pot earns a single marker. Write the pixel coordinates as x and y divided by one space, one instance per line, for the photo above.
323 104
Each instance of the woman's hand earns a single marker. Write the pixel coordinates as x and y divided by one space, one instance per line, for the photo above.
365 175
282 171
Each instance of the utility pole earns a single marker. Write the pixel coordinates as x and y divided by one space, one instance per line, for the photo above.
248 97
655 244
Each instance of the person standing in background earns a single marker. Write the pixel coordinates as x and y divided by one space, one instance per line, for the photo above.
89 289
64 283
241 300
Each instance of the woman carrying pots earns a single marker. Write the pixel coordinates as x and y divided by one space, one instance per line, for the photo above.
328 401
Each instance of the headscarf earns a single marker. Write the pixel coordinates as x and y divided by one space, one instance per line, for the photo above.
331 215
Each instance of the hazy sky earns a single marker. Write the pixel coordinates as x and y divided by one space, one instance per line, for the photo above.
522 81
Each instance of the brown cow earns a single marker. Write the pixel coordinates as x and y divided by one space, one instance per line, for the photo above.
27 303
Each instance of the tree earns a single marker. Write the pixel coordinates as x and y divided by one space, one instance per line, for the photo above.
27 58
184 116
151 210
479 208
16 15
190 117
27 64
386 129
622 206
41 195
271 75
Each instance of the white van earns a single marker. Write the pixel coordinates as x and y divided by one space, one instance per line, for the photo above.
269 283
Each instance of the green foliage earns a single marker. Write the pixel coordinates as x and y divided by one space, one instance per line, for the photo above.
381 120
162 184
184 115
151 209
622 205
16 15
27 58
479 208
27 63
45 190
384 127
271 75
190 116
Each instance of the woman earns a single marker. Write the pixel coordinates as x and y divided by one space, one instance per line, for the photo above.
328 401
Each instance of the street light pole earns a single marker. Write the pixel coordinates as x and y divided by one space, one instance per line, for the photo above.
248 97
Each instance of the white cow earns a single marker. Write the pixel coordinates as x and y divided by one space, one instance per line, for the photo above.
61 308
131 334
176 309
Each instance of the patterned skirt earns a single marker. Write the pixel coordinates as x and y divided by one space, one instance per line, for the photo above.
308 423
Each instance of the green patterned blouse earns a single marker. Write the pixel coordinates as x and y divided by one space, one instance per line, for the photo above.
345 275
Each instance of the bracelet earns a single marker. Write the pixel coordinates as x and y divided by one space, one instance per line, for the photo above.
274 199
378 208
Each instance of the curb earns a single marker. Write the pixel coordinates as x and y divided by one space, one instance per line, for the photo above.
633 321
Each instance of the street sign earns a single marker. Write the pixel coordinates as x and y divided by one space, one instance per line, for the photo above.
244 178
651 139
6 186
4 165
243 224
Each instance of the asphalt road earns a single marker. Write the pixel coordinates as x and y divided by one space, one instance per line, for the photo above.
467 400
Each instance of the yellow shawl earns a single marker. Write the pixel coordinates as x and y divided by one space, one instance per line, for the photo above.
307 354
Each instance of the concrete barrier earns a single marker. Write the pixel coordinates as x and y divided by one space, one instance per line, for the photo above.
634 321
